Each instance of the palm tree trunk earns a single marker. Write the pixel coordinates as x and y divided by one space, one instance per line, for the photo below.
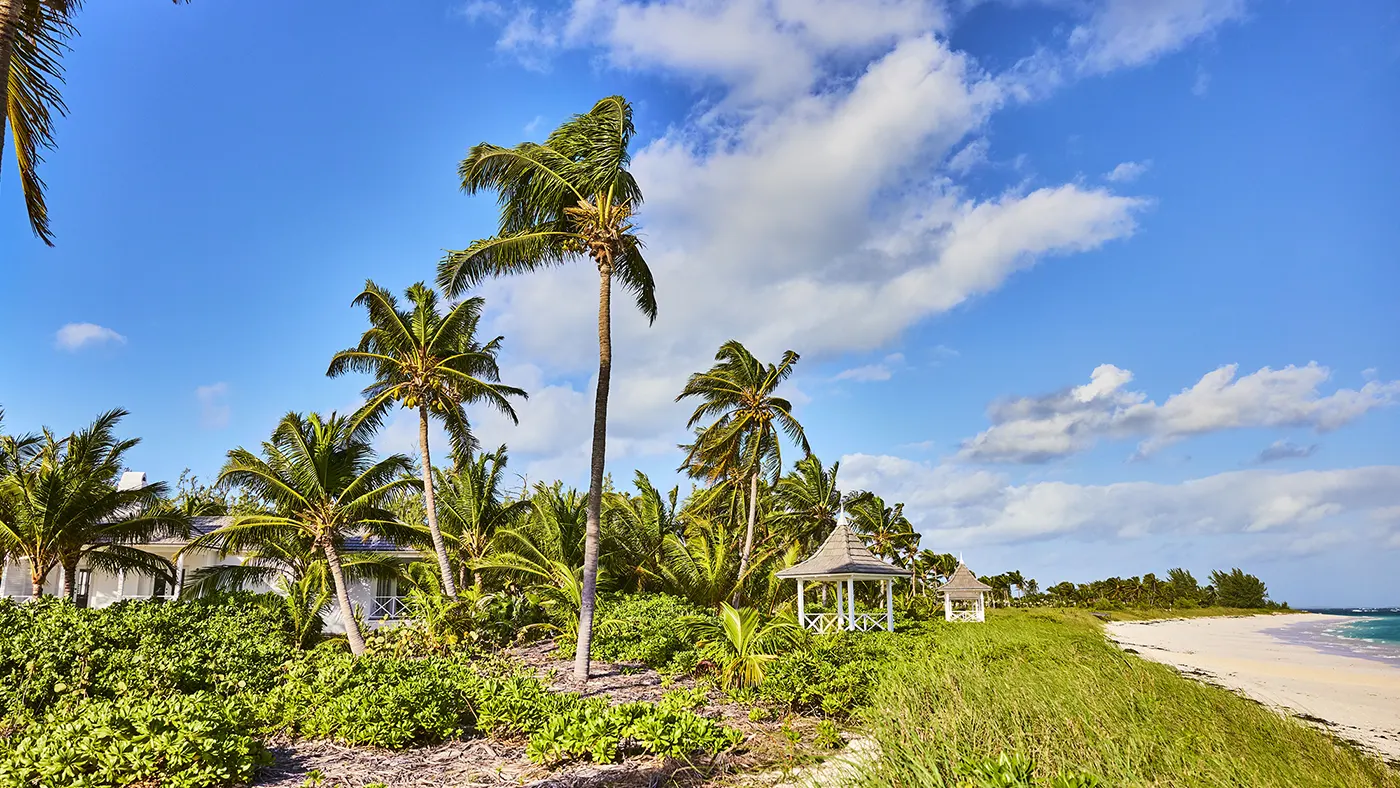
10 11
595 475
748 536
449 588
342 595
36 577
69 571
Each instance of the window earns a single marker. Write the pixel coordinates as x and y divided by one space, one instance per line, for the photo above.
387 602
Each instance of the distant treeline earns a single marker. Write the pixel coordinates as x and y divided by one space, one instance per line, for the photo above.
1235 588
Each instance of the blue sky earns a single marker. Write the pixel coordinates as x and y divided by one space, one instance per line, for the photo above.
1007 239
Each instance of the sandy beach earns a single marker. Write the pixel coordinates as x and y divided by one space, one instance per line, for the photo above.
1356 698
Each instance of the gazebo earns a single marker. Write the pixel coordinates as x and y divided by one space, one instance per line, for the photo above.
844 557
964 596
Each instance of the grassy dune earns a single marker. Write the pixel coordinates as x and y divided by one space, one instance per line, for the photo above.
1046 684
1154 613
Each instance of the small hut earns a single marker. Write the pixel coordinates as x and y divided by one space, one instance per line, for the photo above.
964 596
844 558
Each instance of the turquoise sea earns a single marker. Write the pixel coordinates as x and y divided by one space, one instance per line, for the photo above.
1373 633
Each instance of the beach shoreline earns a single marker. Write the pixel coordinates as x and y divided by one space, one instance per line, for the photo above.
1284 662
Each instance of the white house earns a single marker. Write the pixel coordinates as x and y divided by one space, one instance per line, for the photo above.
379 601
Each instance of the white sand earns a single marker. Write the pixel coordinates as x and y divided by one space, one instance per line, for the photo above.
1359 699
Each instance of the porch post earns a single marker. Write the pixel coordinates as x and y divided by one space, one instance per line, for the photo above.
121 584
62 578
179 576
801 603
840 607
851 601
889 605
981 606
947 608
4 577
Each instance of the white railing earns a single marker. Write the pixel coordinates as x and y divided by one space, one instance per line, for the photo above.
386 608
822 623
965 615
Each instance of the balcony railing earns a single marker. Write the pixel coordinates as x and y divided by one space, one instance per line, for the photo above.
387 608
834 622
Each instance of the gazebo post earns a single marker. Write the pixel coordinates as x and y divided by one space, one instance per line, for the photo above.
802 603
851 601
840 607
889 605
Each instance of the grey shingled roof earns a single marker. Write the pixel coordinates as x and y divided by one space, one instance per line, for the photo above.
962 580
843 553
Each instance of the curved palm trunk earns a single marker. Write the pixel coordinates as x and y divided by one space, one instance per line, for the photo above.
748 536
342 595
595 475
69 572
430 503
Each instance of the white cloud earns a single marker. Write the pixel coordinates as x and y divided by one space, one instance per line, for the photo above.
1284 450
956 506
872 372
1039 429
970 156
1128 171
1123 33
76 336
214 410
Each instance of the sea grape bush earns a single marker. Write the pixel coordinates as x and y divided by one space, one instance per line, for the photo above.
643 628
50 649
171 740
835 676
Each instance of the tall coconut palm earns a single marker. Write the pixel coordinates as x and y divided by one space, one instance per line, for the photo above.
62 507
34 35
886 530
808 503
432 363
568 197
324 484
473 508
742 441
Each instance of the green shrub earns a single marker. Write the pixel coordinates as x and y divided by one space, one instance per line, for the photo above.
175 741
643 628
835 676
372 700
50 648
593 729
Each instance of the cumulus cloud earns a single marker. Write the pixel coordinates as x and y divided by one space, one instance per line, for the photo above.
1123 33
76 336
958 506
970 157
872 372
1284 450
214 410
1128 171
1044 428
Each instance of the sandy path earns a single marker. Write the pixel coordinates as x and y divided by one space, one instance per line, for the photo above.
1356 698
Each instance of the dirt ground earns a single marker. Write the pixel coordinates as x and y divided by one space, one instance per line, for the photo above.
485 762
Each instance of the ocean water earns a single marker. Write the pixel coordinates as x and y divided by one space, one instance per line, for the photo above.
1373 633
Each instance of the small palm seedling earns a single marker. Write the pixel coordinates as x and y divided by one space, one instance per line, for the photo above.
742 642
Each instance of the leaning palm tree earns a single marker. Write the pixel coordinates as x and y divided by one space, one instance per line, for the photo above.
34 35
569 197
324 485
742 441
61 506
431 363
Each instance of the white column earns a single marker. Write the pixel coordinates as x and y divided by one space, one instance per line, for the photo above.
889 605
179 576
121 584
981 606
851 601
4 577
62 578
947 608
802 603
840 607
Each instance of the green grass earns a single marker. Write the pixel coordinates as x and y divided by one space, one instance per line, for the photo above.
1154 613
1047 685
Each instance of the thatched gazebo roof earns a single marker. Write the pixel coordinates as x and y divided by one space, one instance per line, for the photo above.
842 555
963 584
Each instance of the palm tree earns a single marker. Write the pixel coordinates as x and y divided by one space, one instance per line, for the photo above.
34 34
570 196
700 564
808 503
745 641
324 484
61 506
742 441
474 508
545 551
885 528
432 363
